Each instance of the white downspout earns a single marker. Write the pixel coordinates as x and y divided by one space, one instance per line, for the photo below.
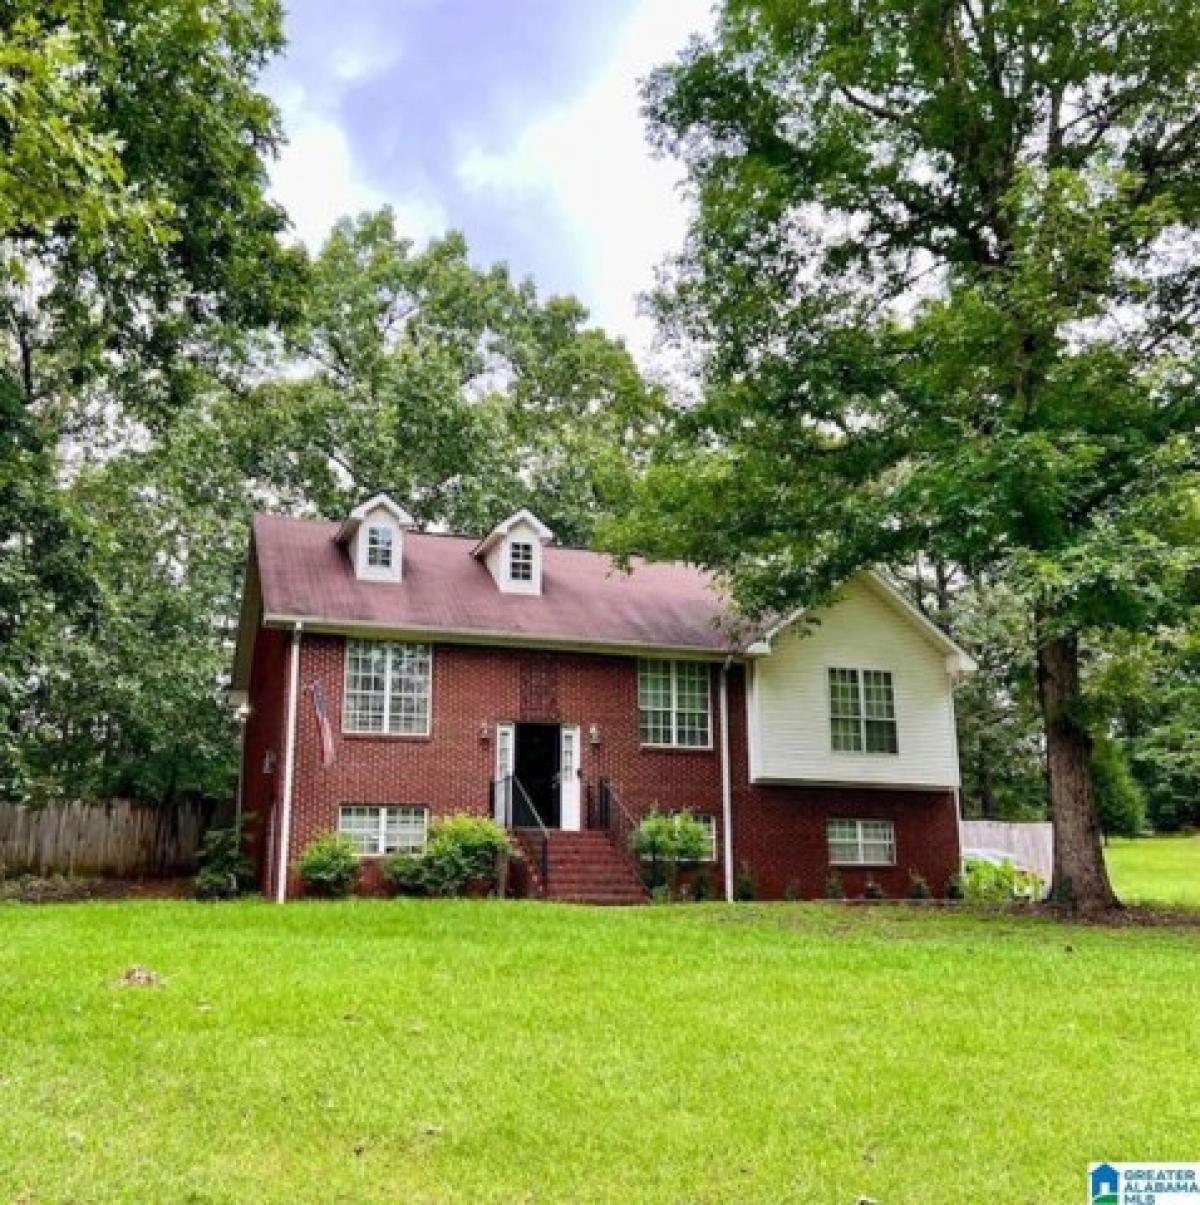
289 769
726 790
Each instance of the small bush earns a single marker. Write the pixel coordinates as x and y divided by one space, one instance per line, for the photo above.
405 874
793 891
918 888
835 889
956 887
986 883
665 841
872 890
225 871
702 884
329 866
745 887
463 852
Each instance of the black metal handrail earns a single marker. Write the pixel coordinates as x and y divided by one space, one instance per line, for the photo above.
507 783
607 812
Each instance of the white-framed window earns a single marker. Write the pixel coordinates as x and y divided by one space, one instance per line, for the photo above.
387 687
380 548
673 704
520 561
862 842
377 830
862 711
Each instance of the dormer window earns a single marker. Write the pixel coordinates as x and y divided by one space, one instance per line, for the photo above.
514 552
520 561
379 547
373 536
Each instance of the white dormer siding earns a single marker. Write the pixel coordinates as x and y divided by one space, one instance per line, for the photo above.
870 660
374 538
513 552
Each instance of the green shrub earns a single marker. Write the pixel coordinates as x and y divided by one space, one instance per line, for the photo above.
225 871
918 888
872 890
462 852
956 886
745 886
985 882
405 874
835 889
329 866
665 841
702 884
793 891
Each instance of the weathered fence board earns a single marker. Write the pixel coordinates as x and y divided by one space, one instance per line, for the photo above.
118 838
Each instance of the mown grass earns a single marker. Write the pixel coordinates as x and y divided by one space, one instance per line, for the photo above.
472 1051
1156 870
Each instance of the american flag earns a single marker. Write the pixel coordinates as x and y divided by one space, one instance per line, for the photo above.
328 752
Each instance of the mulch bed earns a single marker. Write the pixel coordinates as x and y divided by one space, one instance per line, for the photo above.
60 889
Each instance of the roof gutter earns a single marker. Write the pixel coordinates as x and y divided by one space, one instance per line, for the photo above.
350 627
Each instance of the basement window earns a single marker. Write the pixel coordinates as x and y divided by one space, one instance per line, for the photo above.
384 830
862 843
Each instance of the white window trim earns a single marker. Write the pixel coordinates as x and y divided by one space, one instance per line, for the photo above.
512 547
859 671
386 543
364 570
859 841
384 733
674 662
381 834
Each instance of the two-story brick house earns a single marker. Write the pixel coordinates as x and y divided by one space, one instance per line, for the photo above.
391 676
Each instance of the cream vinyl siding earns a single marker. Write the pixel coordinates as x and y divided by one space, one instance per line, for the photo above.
788 698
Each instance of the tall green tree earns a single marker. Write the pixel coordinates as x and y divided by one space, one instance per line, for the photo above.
942 280
453 387
137 250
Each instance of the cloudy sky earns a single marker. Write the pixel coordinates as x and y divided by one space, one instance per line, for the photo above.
515 121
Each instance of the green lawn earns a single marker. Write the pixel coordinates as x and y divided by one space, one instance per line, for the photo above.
1157 870
470 1051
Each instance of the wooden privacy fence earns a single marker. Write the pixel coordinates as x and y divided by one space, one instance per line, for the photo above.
118 838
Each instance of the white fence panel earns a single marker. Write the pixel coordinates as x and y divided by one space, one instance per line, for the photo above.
1030 844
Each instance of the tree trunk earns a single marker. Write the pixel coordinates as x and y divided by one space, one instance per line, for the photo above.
1080 877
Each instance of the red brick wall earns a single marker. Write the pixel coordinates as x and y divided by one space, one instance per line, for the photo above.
779 831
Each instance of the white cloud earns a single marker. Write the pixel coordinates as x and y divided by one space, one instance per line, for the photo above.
317 180
592 156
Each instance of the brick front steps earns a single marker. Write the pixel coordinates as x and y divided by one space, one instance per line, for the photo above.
584 868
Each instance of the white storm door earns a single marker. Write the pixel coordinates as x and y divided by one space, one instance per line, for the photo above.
569 779
506 760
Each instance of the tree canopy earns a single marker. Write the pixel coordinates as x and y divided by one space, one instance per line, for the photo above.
941 280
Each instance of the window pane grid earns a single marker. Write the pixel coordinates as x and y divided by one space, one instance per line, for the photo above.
862 711
384 830
520 561
862 842
379 547
387 687
673 703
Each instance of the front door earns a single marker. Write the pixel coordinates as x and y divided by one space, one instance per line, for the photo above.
538 765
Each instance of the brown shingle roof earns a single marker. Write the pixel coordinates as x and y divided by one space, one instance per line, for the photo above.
585 599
